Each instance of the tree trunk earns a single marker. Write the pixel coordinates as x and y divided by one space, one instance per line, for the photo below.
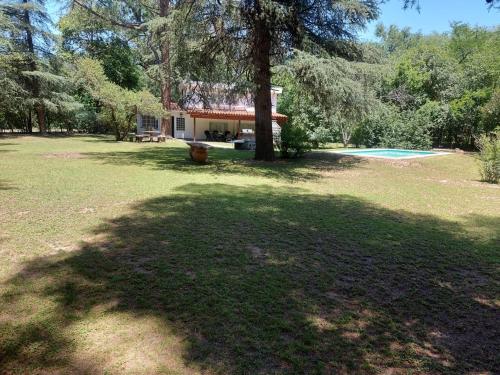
29 127
262 79
116 126
346 136
35 85
166 79
40 116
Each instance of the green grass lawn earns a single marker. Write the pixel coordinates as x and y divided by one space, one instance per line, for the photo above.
126 258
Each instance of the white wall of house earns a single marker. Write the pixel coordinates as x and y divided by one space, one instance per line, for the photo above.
183 125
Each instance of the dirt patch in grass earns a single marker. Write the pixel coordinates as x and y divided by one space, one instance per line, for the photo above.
127 344
464 183
64 155
404 163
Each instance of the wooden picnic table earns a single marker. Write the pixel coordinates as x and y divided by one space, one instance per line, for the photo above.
150 134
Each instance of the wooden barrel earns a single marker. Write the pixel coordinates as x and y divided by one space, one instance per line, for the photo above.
198 152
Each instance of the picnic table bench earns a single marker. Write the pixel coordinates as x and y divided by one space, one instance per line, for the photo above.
147 136
142 137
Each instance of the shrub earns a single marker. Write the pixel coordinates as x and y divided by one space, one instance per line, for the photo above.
320 136
388 127
377 126
411 131
490 112
489 157
294 141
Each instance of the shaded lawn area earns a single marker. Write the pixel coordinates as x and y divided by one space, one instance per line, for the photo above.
324 265
230 162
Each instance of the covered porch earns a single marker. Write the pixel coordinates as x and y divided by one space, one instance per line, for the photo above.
207 122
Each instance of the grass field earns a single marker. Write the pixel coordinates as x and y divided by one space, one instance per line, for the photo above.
121 258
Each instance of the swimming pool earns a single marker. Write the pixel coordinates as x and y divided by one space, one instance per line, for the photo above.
390 153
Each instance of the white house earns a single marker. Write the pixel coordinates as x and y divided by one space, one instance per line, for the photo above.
193 119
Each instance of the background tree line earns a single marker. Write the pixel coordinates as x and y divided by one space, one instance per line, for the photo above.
409 90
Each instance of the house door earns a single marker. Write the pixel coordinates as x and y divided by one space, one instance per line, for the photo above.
180 127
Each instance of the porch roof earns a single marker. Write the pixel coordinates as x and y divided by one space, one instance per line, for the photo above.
218 114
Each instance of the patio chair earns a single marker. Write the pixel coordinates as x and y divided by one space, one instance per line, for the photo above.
208 136
215 135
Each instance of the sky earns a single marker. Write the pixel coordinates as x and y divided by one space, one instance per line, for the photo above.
434 16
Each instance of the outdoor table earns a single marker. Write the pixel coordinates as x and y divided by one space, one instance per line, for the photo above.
152 134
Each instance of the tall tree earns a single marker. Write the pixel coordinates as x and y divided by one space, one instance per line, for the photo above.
119 106
275 27
34 42
149 23
12 95
165 69
30 55
342 91
85 35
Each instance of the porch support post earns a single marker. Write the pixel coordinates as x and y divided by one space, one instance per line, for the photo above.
194 131
239 127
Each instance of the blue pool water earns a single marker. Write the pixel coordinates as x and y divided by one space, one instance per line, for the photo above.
389 153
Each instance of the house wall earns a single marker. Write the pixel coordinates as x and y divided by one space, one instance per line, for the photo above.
187 133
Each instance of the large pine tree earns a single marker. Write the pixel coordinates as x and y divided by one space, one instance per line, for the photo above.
148 23
32 40
275 27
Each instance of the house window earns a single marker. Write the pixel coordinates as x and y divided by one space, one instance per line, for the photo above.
149 123
180 124
221 127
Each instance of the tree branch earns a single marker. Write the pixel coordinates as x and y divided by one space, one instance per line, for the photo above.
132 26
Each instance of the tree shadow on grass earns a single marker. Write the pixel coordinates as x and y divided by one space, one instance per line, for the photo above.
230 161
262 280
100 138
5 144
6 185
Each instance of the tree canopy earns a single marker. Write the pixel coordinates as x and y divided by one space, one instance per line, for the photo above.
119 106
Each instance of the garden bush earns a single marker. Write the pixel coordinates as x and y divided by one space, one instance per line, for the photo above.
489 156
387 127
294 141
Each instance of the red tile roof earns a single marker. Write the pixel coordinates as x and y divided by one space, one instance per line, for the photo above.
232 115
